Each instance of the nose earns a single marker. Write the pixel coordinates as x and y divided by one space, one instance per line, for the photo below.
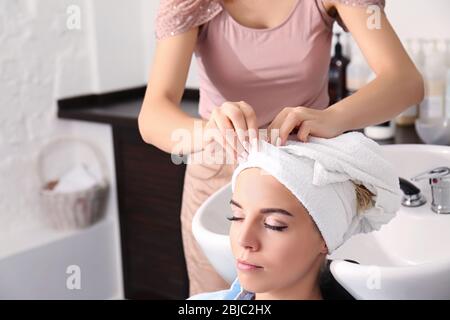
248 236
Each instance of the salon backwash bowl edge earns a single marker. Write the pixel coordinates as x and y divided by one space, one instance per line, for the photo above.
409 258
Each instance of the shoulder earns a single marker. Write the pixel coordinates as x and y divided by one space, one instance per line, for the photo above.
333 6
178 16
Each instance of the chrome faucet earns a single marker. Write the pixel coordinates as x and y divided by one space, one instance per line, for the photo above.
412 197
439 179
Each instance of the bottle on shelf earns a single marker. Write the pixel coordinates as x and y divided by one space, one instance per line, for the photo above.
420 54
447 51
434 74
447 95
337 73
447 87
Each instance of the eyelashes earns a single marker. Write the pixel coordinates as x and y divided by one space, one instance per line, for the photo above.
233 218
268 226
276 228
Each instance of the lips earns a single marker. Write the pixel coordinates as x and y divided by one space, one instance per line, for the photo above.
245 265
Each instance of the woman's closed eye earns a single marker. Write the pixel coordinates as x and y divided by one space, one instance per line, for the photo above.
269 226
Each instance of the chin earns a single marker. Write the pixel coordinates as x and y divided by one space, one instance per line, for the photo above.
254 283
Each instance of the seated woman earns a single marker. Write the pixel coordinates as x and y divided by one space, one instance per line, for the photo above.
295 204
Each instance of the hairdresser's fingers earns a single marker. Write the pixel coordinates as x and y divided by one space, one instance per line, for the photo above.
293 120
273 130
228 134
254 145
211 134
250 118
304 131
237 118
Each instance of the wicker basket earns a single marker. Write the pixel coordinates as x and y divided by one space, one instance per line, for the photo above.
78 209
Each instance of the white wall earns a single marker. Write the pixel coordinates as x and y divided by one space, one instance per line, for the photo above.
419 18
41 60
119 47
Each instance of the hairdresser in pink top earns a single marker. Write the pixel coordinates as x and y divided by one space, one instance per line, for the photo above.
262 64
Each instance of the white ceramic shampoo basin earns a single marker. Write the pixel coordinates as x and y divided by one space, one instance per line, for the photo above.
409 258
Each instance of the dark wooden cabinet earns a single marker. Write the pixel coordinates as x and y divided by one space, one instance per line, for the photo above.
150 189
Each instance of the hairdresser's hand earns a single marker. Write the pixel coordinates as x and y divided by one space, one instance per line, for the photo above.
232 125
320 123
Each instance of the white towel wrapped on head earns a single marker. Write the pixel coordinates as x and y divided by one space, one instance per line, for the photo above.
320 174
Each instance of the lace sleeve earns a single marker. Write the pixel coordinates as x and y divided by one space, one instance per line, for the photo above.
356 3
178 16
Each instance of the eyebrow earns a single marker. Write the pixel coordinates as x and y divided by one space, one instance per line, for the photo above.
265 210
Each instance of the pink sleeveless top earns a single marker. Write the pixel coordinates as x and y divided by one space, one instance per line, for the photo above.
272 68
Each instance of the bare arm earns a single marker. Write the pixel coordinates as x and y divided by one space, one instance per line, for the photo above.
397 85
161 114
